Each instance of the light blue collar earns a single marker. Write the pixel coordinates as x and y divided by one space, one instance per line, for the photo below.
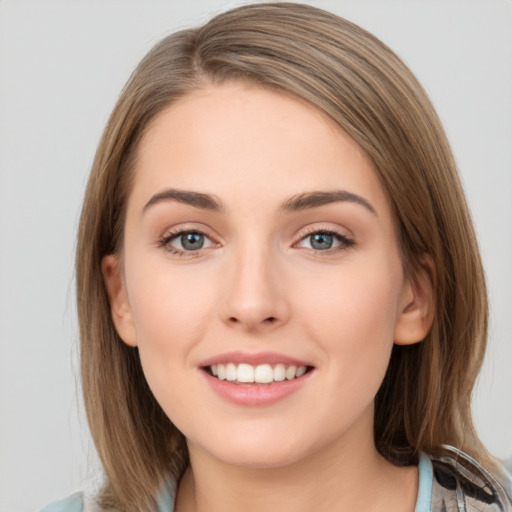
424 501
165 500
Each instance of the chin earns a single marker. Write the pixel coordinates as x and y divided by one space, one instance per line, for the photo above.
254 450
250 458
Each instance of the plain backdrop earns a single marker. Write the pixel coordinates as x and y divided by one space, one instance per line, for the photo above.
62 65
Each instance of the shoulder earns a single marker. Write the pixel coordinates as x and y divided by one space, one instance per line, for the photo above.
74 503
78 502
462 484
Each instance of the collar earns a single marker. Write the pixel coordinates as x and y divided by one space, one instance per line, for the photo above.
461 484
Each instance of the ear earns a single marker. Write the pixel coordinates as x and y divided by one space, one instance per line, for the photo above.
111 269
417 306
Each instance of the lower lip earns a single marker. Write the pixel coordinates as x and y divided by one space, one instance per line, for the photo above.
255 394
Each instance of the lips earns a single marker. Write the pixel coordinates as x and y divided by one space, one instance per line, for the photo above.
255 379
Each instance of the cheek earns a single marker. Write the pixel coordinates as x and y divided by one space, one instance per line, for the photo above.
168 304
353 319
171 312
171 315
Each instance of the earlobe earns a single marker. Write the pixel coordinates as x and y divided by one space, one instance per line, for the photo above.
418 305
119 305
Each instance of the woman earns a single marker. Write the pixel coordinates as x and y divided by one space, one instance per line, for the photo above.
280 294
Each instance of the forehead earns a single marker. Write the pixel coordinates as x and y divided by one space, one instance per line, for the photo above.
239 140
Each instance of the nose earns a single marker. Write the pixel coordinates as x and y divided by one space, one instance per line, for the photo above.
254 298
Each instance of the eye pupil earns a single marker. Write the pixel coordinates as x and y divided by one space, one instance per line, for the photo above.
192 241
321 241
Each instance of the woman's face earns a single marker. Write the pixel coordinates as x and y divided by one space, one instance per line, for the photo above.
261 278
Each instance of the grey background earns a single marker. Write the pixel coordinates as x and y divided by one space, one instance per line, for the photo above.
62 65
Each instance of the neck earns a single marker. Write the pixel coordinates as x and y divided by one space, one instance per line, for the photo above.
343 476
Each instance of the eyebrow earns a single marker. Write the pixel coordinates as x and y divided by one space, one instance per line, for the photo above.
315 199
197 199
295 203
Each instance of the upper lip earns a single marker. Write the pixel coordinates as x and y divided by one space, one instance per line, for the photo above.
253 359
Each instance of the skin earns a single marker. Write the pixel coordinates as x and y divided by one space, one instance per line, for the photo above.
259 285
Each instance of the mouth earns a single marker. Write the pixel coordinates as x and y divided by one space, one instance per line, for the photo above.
264 374
255 380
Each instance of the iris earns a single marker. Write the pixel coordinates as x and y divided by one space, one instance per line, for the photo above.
321 241
192 241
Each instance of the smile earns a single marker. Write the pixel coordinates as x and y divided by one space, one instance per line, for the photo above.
244 373
255 380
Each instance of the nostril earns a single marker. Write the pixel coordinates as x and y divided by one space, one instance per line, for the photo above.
268 320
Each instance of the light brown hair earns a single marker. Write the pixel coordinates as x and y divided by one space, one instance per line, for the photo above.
345 72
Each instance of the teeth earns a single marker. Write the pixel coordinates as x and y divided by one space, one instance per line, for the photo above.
245 373
279 372
301 370
231 372
290 372
261 374
264 374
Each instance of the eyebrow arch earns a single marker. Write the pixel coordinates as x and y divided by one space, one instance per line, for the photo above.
314 199
197 199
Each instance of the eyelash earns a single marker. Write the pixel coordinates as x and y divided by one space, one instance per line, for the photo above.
344 241
165 242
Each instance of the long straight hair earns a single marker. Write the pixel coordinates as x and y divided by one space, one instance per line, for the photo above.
348 74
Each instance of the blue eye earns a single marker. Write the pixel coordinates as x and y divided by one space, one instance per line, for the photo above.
325 240
321 241
182 242
192 241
